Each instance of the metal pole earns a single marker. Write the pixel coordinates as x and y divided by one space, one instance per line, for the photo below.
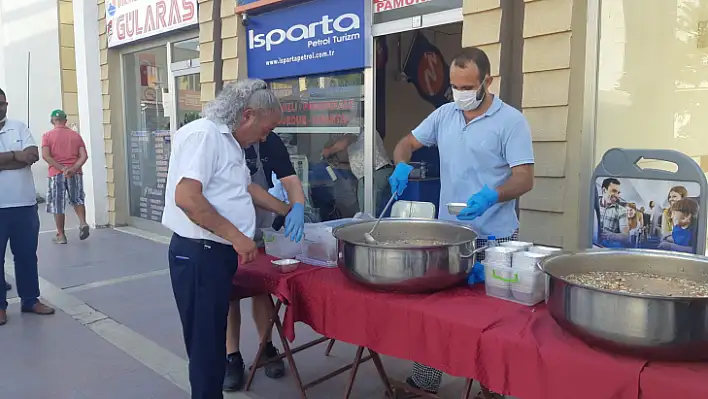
29 65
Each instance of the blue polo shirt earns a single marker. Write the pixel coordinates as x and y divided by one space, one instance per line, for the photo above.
473 154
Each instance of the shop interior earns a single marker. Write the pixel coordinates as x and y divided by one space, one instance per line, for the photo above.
320 110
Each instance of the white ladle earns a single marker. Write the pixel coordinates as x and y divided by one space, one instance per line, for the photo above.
369 236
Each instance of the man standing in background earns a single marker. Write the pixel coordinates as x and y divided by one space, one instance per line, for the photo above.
65 152
19 221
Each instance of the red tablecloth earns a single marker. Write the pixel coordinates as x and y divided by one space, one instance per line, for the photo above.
511 348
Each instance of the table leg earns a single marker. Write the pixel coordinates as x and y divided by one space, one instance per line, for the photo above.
330 345
352 374
382 372
468 389
262 344
289 355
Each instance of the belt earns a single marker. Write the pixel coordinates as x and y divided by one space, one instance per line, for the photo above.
204 241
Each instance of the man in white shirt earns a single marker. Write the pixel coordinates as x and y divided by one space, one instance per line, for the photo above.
19 221
209 205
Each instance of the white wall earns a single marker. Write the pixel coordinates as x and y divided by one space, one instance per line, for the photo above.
31 26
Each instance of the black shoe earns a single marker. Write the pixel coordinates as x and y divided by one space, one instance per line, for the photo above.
8 286
234 377
274 369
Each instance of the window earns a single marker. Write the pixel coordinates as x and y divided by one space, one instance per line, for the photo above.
653 87
318 112
147 128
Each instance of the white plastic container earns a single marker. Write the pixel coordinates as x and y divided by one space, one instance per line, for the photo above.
526 287
518 245
319 245
544 250
499 255
278 245
526 260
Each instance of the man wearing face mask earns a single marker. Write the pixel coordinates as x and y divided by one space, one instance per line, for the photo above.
486 160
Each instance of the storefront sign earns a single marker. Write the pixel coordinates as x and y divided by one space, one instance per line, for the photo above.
336 113
131 20
311 38
427 70
388 5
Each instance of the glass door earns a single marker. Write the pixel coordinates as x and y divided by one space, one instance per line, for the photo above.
187 97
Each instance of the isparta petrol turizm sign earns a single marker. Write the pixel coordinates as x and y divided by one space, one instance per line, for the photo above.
316 37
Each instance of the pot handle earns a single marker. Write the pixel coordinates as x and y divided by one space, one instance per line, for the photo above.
475 251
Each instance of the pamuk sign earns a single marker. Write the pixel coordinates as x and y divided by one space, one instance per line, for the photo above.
311 38
131 20
388 5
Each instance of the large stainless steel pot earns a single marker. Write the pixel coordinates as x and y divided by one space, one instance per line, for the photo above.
391 265
651 327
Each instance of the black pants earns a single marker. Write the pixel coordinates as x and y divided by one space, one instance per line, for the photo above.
201 273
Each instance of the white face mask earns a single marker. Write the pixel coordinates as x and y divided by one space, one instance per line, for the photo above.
467 99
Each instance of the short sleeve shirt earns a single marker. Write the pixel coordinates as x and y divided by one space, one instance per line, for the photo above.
472 155
17 185
64 145
274 157
207 152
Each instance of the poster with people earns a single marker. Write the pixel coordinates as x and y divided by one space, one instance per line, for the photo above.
649 214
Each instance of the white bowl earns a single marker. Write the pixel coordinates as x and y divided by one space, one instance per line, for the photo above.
285 265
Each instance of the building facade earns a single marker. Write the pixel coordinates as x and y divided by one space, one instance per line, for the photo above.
38 66
584 72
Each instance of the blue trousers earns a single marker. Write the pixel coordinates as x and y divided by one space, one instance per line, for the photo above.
20 227
202 272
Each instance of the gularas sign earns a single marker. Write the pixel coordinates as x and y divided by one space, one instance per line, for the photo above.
387 5
130 20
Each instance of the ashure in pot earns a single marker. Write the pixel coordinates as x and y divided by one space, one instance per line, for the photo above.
409 256
652 327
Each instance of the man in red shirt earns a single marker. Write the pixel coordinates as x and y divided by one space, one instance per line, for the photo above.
65 152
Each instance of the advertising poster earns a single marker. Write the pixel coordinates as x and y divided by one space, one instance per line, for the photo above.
307 39
648 214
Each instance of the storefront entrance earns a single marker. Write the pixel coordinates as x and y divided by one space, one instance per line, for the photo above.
162 92
414 46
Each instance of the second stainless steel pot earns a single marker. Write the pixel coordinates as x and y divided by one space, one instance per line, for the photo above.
410 256
648 326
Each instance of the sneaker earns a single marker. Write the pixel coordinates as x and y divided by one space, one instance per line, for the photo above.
234 377
276 368
59 239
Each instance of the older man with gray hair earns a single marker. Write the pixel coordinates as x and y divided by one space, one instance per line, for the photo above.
209 205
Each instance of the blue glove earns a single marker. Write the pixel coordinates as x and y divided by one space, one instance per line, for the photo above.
479 203
295 222
399 178
476 275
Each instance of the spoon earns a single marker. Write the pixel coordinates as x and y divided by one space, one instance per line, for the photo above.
369 236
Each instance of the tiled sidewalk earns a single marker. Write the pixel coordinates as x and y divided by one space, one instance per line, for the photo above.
117 332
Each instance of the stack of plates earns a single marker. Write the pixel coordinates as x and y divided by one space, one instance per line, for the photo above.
526 260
